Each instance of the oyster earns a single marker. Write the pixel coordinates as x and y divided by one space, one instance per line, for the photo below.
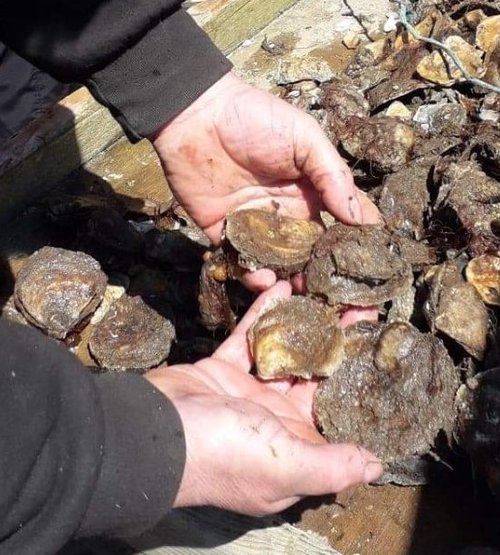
441 69
404 200
454 308
358 266
386 143
131 335
296 337
483 273
393 392
473 197
56 289
215 308
488 33
264 239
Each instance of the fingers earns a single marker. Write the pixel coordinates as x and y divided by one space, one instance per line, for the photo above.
260 280
323 469
356 314
235 348
332 178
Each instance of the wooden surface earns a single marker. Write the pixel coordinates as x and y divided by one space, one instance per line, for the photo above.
231 22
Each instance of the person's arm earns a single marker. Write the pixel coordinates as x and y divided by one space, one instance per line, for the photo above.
81 454
146 61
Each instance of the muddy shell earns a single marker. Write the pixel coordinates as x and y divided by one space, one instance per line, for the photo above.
296 337
131 336
455 308
265 239
473 196
386 143
357 265
483 273
392 394
56 289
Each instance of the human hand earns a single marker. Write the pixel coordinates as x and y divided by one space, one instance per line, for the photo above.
251 449
237 146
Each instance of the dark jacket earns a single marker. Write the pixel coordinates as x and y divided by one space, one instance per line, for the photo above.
81 454
146 60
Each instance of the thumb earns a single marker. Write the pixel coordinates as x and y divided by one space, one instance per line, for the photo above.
320 469
332 178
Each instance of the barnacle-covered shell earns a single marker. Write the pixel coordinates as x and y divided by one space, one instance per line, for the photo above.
439 68
266 239
56 289
385 142
455 308
483 273
131 336
357 265
393 392
296 337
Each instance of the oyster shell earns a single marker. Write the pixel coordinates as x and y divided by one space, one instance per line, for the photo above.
488 33
56 289
357 266
131 335
393 392
266 239
296 337
404 200
454 308
386 143
473 196
439 68
483 273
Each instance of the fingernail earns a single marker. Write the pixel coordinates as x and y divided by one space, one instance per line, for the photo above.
354 208
373 470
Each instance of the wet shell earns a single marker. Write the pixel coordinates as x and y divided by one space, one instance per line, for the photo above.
266 239
131 336
296 337
357 265
393 392
56 289
483 273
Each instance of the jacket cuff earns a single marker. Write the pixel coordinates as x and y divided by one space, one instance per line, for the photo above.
160 76
143 458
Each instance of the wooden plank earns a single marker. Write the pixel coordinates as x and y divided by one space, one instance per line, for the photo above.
72 133
229 23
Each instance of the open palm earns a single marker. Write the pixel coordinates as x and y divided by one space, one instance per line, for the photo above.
250 448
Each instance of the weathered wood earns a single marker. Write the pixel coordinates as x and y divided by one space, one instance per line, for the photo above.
73 132
230 23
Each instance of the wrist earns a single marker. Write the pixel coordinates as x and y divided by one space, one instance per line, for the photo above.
206 107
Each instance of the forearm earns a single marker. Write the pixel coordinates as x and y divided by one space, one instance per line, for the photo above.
81 455
146 61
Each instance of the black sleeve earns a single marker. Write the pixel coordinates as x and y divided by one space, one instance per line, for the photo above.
81 455
145 60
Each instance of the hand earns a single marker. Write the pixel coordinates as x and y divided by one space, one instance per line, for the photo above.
251 449
237 146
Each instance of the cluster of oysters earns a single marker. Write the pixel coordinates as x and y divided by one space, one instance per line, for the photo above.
424 144
143 286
